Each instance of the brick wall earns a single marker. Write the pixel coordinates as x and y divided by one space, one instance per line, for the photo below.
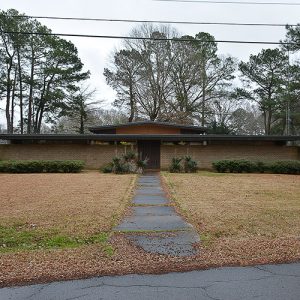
95 156
205 155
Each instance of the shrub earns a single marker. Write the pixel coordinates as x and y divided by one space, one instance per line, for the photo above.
235 166
190 165
285 167
260 167
40 166
240 166
220 166
141 165
176 165
108 168
129 156
127 163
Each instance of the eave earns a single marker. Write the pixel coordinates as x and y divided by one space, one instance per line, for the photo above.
138 137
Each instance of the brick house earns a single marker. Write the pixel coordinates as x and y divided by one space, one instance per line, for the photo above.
158 141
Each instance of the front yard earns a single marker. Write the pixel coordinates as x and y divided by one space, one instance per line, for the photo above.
59 226
241 218
239 206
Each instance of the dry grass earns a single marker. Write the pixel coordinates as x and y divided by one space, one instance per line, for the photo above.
221 206
240 206
79 204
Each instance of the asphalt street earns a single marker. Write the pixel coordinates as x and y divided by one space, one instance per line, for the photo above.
265 282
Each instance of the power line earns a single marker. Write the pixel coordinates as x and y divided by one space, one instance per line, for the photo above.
146 38
155 21
233 2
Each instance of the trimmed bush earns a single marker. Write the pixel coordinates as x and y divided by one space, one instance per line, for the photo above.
126 164
245 166
235 166
41 166
189 165
285 167
183 164
108 168
176 165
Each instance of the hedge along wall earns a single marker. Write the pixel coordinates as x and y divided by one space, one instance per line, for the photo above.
205 155
94 156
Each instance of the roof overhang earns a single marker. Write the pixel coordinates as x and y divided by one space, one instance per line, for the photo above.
138 137
103 128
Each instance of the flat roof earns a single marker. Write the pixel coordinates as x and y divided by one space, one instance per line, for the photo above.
141 123
157 137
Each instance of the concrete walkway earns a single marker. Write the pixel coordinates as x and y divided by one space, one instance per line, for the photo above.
268 282
154 225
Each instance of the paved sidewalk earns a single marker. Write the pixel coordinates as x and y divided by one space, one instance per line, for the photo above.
154 225
268 282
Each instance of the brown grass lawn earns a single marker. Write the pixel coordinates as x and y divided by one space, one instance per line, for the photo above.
242 220
75 204
239 206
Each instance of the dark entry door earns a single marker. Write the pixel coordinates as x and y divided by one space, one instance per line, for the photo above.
151 151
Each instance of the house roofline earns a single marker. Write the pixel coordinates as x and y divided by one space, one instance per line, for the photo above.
139 123
138 137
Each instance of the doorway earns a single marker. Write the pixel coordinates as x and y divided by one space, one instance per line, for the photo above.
150 150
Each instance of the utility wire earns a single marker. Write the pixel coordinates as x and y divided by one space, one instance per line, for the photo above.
145 38
233 2
155 21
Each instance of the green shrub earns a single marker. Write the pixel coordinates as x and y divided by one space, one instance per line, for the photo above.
240 166
220 166
190 165
260 167
108 168
141 165
126 164
176 165
40 166
285 167
129 156
234 166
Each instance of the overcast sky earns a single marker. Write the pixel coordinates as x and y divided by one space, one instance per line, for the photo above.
95 53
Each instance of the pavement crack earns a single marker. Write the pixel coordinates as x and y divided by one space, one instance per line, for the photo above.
205 289
261 268
37 291
77 297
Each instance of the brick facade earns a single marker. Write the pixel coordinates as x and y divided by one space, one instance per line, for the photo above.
96 156
205 155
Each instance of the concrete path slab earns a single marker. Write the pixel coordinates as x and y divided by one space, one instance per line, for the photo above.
149 180
150 200
148 184
156 191
154 211
167 232
179 243
153 223
267 282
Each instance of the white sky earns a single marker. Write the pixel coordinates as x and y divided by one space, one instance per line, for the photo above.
95 53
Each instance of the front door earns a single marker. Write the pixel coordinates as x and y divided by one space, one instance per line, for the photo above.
150 150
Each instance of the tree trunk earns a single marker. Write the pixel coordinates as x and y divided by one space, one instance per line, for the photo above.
132 106
8 96
30 98
81 130
12 108
203 97
21 92
203 110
